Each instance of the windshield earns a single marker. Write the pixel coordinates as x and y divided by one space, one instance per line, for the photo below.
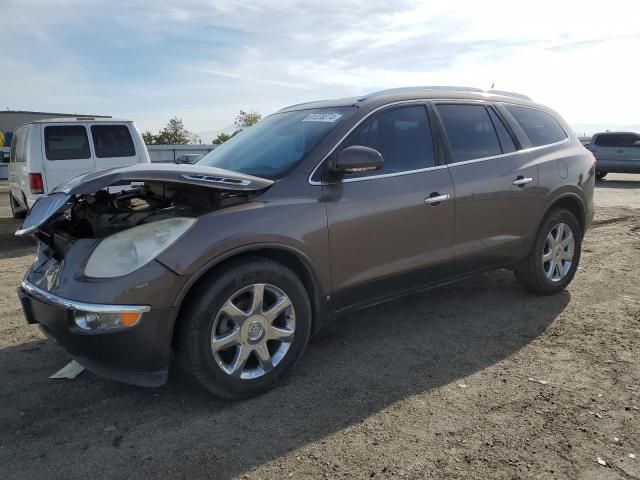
274 145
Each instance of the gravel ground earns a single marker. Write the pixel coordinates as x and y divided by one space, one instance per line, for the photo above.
473 380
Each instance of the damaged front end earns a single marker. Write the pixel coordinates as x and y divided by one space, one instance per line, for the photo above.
94 286
100 204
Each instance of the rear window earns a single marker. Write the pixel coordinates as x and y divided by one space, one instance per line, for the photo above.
66 142
112 141
17 146
616 140
540 127
470 132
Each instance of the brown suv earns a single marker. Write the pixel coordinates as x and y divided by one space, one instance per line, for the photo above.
233 263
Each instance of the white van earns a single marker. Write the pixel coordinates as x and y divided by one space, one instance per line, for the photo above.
47 152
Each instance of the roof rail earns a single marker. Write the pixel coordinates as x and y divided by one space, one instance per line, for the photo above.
445 88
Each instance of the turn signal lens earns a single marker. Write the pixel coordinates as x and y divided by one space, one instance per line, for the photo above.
92 321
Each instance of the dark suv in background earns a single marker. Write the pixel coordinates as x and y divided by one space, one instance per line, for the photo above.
233 263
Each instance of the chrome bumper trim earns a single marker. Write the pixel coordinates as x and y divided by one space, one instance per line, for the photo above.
67 304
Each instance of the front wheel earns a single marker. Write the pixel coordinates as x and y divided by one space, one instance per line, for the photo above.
554 257
244 331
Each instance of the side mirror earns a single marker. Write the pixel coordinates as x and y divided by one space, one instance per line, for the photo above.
357 159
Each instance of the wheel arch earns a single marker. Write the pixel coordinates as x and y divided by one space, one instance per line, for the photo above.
571 202
284 254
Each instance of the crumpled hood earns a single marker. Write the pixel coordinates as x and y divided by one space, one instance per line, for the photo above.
163 172
89 183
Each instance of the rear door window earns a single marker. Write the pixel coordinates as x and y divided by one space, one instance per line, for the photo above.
68 142
540 127
111 141
402 136
470 131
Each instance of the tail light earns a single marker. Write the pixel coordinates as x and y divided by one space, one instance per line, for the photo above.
35 183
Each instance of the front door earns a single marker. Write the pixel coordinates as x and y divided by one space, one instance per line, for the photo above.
387 234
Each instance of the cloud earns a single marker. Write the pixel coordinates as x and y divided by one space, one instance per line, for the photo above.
203 60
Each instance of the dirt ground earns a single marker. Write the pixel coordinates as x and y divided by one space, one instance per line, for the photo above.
473 380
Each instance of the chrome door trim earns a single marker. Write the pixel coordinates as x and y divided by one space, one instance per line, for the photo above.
436 167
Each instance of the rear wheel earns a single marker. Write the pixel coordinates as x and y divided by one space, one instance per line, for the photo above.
601 175
244 331
553 260
17 211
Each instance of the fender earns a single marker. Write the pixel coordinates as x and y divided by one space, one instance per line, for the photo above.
318 302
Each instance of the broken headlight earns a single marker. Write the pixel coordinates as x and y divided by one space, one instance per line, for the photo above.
128 250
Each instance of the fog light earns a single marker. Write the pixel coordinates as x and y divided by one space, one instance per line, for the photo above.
91 321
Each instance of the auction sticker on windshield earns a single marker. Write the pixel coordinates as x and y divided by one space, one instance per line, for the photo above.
322 117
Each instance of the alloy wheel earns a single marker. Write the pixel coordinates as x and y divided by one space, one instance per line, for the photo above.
558 252
253 331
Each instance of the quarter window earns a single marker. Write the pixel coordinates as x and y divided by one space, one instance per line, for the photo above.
402 136
112 141
470 131
66 143
540 127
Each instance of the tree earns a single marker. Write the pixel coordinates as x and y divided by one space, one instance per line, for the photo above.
246 119
174 133
149 138
221 138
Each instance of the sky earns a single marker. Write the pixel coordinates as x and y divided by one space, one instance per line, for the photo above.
204 60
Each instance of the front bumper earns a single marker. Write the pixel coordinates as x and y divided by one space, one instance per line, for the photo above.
138 355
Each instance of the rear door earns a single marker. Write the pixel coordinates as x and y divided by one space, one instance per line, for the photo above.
495 184
113 145
390 230
66 153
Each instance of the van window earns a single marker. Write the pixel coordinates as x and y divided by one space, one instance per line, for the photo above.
112 141
68 142
619 140
540 127
506 142
402 136
470 131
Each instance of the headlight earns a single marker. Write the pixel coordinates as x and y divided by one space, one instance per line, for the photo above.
126 251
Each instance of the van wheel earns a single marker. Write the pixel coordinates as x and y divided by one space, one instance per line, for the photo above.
601 175
553 260
244 330
17 211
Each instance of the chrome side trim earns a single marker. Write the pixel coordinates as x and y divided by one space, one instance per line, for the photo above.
519 152
67 304
452 164
387 175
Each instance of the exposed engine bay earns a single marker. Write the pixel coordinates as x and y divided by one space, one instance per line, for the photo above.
114 209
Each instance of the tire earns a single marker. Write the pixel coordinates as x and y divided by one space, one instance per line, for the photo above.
548 277
601 175
16 210
210 363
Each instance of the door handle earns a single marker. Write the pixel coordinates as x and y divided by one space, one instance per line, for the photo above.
522 181
435 198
